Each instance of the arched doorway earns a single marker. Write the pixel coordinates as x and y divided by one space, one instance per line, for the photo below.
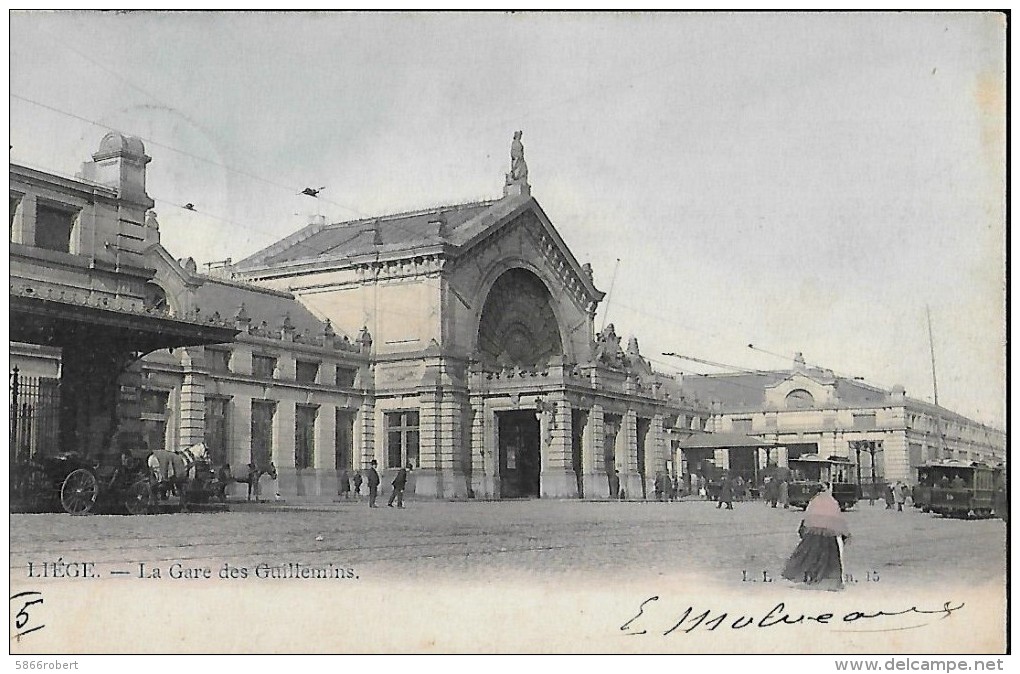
518 329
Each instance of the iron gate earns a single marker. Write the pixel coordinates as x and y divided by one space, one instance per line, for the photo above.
34 417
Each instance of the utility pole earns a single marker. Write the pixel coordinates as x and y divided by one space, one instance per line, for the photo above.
931 345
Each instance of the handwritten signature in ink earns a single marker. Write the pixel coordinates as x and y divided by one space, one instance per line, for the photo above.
710 619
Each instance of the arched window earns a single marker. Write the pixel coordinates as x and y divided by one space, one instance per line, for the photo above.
799 399
155 299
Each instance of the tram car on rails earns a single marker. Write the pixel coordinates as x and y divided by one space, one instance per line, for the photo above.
964 490
810 471
920 494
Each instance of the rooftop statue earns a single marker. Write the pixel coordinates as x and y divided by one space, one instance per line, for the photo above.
607 347
518 167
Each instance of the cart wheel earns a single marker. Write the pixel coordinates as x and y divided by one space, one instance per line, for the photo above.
136 500
79 491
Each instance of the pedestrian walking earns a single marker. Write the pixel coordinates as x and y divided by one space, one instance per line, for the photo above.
343 487
358 479
818 559
784 493
614 484
899 495
772 491
890 497
725 494
399 483
223 480
373 484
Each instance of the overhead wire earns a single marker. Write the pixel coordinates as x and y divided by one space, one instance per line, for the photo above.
367 218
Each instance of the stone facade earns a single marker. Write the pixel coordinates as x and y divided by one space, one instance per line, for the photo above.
806 410
458 339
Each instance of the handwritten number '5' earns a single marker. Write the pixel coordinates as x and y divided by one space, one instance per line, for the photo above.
641 611
22 617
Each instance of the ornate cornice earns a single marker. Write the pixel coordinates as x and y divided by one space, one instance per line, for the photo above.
412 266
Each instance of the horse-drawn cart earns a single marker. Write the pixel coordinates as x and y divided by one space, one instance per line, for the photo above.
79 486
70 482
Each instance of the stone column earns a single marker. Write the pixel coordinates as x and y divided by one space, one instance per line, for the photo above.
283 449
428 478
239 441
655 452
453 482
364 447
626 456
558 479
596 483
323 481
481 471
782 457
191 413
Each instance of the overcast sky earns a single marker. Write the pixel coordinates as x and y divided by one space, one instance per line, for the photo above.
799 182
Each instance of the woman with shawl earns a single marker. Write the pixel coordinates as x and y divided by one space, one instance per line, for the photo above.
818 559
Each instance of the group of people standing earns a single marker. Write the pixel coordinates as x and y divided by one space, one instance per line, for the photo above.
896 494
371 476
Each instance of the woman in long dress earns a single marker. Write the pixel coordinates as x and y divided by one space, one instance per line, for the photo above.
818 559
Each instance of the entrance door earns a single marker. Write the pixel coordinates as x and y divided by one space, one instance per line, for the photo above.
520 462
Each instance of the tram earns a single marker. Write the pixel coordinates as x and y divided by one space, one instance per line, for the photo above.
809 471
961 489
920 494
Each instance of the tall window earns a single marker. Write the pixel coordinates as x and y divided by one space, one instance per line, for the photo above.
217 360
345 376
53 227
304 435
154 418
216 425
263 367
307 371
401 439
262 413
344 440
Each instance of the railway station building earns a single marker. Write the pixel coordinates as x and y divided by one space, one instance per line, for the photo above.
459 339
807 410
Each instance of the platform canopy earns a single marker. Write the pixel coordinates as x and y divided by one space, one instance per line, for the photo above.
51 323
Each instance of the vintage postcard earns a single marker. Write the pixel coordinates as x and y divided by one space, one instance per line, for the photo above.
508 333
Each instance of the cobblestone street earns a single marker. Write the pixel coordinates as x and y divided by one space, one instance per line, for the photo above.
519 576
525 538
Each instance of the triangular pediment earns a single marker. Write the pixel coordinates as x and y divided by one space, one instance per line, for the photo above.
524 213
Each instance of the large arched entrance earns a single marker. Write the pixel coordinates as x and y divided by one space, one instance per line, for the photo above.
518 329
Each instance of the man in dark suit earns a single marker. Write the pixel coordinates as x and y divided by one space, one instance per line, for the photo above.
373 484
399 483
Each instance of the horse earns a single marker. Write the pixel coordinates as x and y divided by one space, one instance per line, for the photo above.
255 473
170 471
